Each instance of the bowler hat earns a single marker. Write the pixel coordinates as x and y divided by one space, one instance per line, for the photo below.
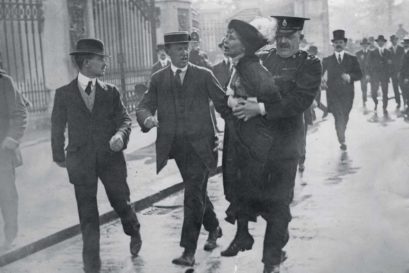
177 37
251 38
89 46
312 49
339 34
364 41
380 38
289 24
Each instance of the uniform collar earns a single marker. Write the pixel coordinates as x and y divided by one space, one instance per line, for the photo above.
174 68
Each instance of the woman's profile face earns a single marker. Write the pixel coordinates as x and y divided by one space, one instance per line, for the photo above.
232 44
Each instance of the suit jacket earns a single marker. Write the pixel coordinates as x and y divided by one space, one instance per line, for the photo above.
379 67
404 70
13 116
363 60
200 85
89 133
298 79
397 58
222 73
340 92
158 66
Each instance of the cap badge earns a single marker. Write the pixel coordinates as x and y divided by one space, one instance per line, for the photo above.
284 24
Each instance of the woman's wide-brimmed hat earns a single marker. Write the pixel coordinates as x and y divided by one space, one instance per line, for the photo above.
89 46
251 38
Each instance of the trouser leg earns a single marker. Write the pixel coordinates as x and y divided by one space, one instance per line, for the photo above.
89 222
395 84
384 87
364 89
8 197
374 91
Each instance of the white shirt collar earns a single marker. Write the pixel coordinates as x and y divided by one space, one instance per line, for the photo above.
341 53
174 68
226 60
84 80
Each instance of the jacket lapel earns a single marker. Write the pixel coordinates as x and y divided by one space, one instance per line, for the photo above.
100 88
187 83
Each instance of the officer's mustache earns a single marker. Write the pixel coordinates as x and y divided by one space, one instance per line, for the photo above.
284 45
338 47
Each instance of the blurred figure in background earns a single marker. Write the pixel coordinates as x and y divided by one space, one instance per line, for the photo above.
397 53
404 76
379 68
163 59
362 56
13 121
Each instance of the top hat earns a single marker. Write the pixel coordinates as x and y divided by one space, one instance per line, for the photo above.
289 24
177 37
339 34
89 46
251 38
194 36
364 41
380 38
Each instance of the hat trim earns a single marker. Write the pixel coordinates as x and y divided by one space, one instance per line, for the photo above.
78 52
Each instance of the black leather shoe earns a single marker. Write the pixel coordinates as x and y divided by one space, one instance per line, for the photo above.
187 259
238 244
136 244
211 240
271 269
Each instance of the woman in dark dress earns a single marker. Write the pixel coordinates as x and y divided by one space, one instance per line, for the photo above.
247 143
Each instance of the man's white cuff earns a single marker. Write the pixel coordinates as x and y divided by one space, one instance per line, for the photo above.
262 108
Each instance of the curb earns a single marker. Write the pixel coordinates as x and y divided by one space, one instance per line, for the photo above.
75 230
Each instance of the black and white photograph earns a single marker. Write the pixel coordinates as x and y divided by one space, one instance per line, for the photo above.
204 136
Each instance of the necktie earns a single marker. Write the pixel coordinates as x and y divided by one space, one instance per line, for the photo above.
178 80
88 89
339 58
381 52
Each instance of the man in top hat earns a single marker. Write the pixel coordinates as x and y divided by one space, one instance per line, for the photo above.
397 53
163 59
99 129
362 56
404 76
298 76
179 95
13 121
379 70
196 55
342 71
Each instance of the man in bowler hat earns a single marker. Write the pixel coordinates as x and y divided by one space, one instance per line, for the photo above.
99 129
180 96
362 56
379 71
298 76
404 77
342 71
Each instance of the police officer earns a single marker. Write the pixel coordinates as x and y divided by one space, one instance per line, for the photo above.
196 55
13 121
298 76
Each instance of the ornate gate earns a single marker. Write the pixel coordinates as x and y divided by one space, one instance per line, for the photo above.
21 48
127 28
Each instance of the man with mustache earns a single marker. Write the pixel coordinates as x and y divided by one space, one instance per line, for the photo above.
298 76
379 71
99 129
342 71
179 95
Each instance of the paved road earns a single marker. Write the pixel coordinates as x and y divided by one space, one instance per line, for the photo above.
350 215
